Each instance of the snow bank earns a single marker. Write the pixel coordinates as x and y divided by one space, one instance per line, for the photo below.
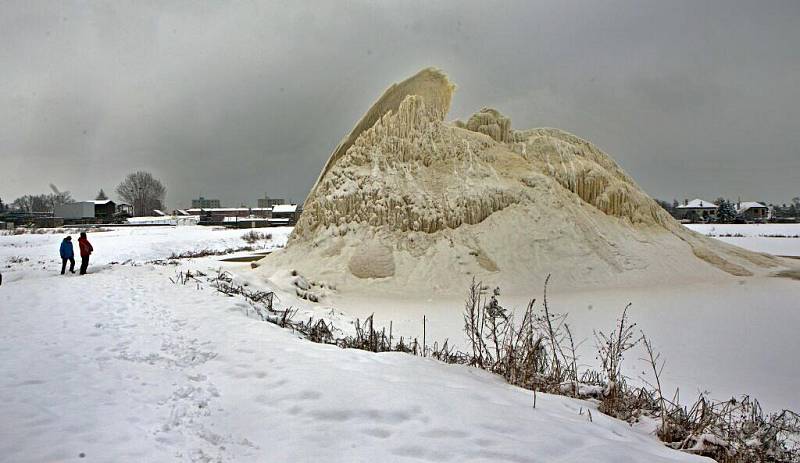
165 220
123 365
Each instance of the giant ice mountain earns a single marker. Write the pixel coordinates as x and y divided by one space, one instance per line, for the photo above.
408 201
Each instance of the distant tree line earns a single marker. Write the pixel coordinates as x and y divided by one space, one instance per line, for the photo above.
726 209
41 202
140 189
785 211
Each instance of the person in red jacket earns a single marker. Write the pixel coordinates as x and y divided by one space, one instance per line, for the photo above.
86 251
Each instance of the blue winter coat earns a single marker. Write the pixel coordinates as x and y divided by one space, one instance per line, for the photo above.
66 250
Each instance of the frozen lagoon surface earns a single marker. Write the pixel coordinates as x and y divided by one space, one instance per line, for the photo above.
773 238
726 338
124 365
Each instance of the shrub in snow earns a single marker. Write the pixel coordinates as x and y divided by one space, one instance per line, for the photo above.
253 237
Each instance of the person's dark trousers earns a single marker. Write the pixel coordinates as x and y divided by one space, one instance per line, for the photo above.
71 265
84 264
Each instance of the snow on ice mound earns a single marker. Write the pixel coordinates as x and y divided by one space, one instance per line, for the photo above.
409 200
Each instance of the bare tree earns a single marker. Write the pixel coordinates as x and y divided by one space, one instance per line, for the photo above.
143 191
53 200
24 203
57 198
42 203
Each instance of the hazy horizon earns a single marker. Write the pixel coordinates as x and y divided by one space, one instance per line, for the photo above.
232 101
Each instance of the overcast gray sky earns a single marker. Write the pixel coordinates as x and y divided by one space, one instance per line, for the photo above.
232 100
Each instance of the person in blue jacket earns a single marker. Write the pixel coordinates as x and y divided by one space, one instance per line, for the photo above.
67 254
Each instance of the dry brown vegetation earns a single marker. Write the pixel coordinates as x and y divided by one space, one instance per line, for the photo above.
253 237
535 350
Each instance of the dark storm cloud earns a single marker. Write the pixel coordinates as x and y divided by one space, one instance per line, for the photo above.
235 99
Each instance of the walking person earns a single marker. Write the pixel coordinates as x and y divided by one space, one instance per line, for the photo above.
86 251
67 255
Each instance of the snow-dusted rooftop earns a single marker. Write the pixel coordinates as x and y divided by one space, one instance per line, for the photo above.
284 208
698 204
741 207
245 219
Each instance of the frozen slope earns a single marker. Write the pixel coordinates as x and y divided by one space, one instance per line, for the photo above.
123 365
728 337
411 203
725 338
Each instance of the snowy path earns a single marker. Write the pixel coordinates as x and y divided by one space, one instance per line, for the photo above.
97 368
122 365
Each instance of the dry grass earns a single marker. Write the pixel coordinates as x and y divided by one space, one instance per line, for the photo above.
253 237
535 350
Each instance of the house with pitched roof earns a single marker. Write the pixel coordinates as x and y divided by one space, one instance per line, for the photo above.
696 210
752 211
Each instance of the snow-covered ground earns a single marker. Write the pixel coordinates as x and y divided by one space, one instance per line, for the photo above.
135 243
727 338
124 365
774 238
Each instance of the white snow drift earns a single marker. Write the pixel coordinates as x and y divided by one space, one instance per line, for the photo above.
124 365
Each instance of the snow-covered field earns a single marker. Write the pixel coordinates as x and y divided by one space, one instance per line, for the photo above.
774 238
124 365
134 243
725 338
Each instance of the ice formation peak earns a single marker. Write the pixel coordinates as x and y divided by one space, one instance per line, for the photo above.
430 84
404 168
406 194
490 122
